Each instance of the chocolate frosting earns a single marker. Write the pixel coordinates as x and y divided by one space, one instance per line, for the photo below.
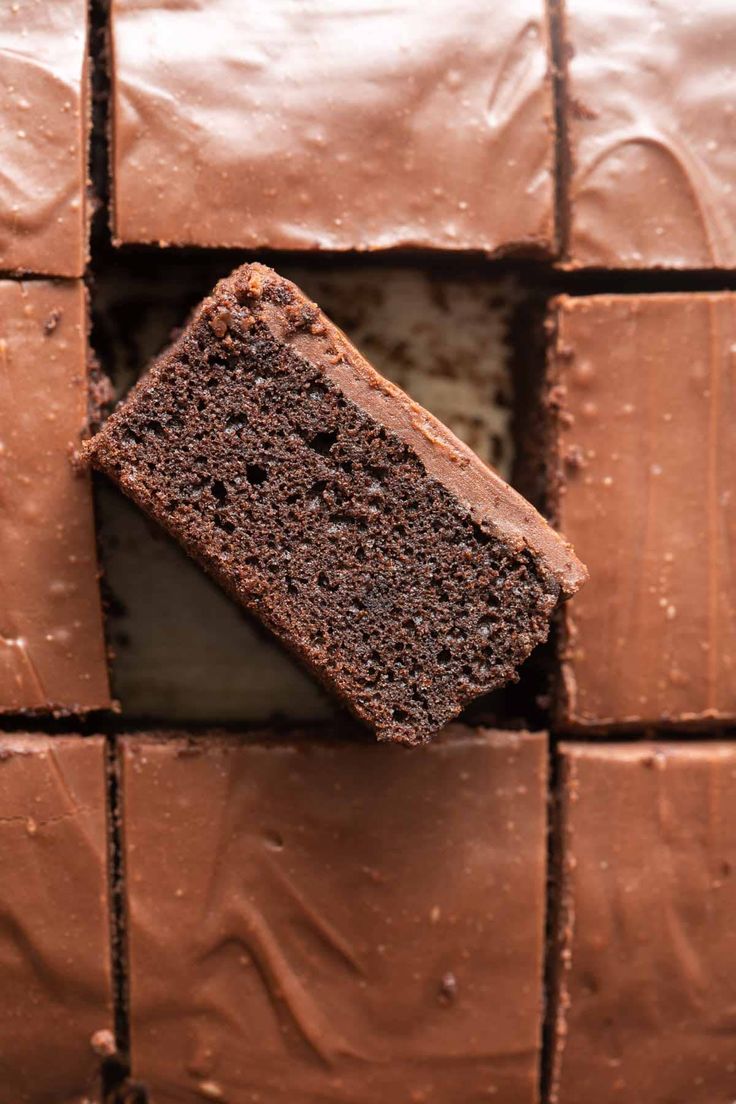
44 107
646 978
643 391
52 651
651 120
56 1010
335 921
258 123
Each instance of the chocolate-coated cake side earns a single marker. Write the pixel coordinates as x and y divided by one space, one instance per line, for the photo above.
404 572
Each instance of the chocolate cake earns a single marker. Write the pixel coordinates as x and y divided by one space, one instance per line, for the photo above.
375 545
347 126
44 109
648 112
304 915
641 479
56 1017
52 648
646 952
287 944
183 652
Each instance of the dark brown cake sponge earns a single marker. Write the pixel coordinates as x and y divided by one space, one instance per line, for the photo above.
405 573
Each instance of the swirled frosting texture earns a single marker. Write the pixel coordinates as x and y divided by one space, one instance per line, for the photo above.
646 956
651 119
644 388
43 137
56 1008
52 649
332 126
335 922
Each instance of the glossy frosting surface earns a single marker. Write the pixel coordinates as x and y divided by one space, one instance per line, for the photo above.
52 651
43 137
336 922
56 1007
646 980
332 126
651 116
645 388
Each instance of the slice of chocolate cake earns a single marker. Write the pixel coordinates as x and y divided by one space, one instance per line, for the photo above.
289 943
52 644
648 114
640 403
56 1012
404 572
644 967
332 126
44 124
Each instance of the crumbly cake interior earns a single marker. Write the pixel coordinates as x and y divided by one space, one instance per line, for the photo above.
325 523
